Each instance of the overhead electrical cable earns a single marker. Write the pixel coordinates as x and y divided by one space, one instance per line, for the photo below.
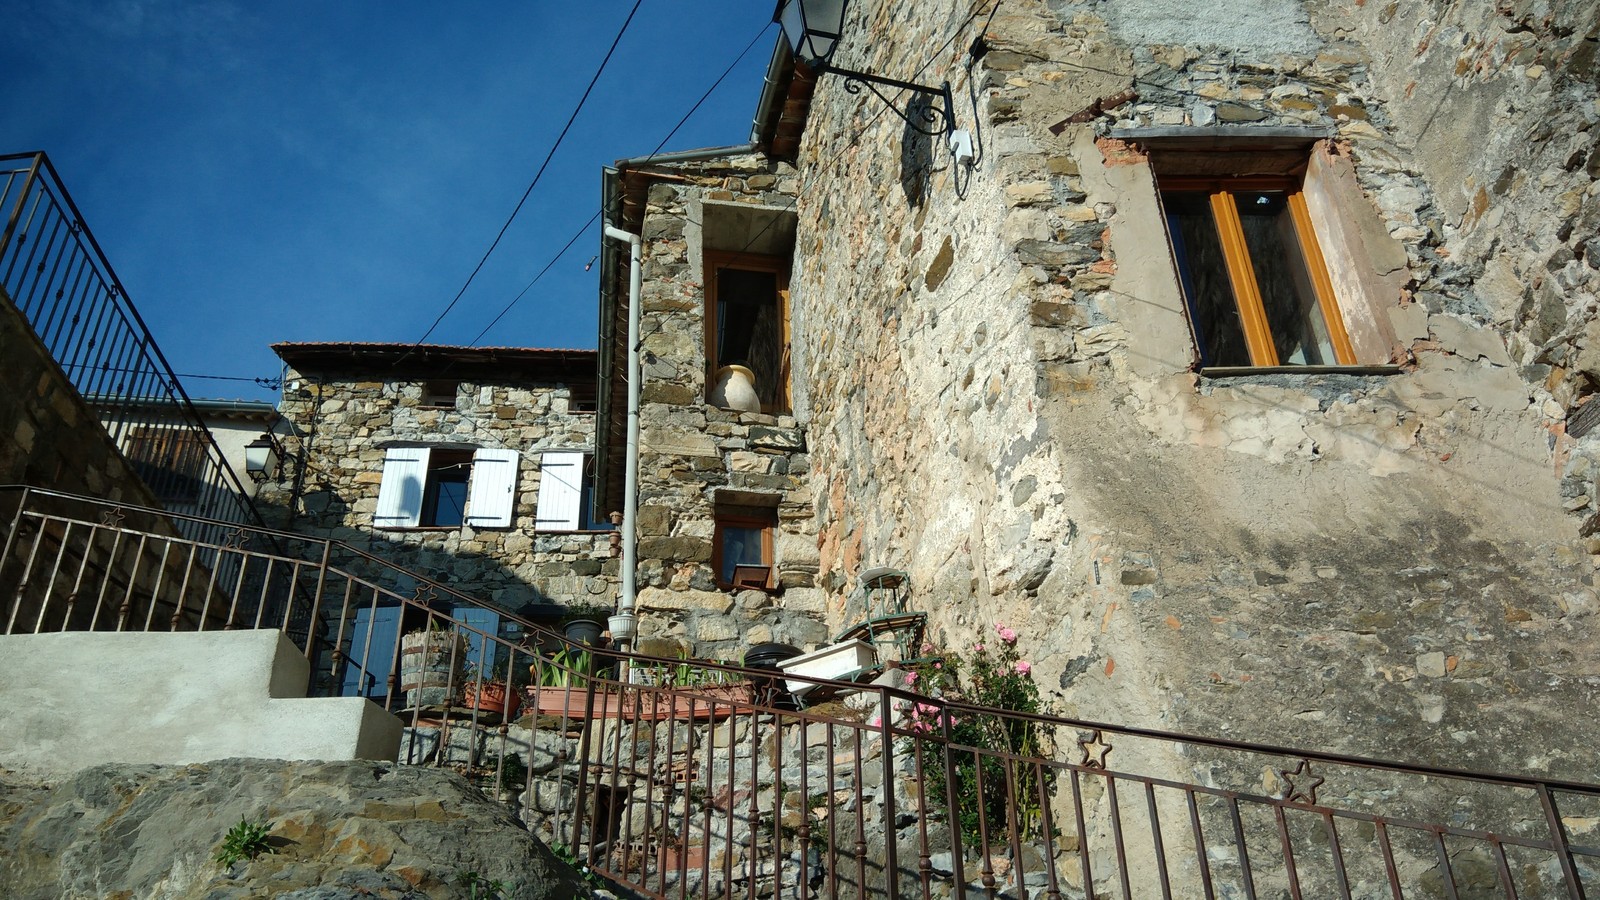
531 185
586 225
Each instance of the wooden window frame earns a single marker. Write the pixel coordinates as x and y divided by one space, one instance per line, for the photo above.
767 526
715 262
1241 271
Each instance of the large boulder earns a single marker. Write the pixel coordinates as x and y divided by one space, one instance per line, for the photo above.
339 830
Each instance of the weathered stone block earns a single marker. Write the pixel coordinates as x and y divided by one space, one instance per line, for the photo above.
653 598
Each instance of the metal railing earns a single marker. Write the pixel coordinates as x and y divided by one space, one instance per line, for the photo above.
53 271
686 778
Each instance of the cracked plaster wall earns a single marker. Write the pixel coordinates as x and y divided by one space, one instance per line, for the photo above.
1000 399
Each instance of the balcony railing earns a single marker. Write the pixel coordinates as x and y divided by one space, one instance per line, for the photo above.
683 779
53 271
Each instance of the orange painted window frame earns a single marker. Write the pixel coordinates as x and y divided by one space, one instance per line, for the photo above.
1241 271
715 262
766 526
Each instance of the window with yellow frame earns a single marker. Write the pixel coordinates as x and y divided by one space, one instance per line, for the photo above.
1253 277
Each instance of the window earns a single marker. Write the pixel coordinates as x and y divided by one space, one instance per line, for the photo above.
747 322
171 461
1252 274
440 394
566 493
443 487
742 549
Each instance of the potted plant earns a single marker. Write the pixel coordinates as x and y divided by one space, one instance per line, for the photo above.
585 624
494 694
431 662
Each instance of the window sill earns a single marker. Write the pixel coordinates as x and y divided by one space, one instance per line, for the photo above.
577 531
1238 371
424 528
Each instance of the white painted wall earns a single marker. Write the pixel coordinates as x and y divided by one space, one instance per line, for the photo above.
78 699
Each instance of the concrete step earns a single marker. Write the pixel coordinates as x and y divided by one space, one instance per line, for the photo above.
78 699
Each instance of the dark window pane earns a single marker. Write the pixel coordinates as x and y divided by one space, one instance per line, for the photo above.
1299 332
444 500
749 332
1204 272
741 546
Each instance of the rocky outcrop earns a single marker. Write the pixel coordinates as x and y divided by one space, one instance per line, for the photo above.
338 830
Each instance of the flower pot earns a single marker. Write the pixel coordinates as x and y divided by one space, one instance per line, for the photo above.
492 696
837 661
583 631
735 388
430 666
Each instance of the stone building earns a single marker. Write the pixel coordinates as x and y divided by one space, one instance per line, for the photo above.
1245 370
470 465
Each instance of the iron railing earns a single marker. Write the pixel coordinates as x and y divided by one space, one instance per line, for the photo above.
689 779
53 271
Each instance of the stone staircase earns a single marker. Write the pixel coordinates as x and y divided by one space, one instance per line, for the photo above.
81 698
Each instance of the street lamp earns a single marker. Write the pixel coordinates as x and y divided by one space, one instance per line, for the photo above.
263 458
813 28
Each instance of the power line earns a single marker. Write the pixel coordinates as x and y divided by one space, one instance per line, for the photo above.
531 185
580 232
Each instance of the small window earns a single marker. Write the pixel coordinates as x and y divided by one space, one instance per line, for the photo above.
747 323
742 551
444 498
427 487
581 398
1252 274
440 394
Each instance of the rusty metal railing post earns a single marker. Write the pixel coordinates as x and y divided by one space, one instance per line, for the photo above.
5 555
583 751
1558 841
891 850
22 200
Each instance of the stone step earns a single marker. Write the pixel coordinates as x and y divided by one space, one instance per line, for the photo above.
78 699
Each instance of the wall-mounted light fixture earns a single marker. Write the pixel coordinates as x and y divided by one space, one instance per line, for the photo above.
813 27
263 458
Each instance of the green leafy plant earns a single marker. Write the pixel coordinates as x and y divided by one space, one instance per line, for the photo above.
565 854
481 888
565 668
983 796
246 840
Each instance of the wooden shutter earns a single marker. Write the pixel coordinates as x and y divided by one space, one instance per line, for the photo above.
560 491
405 474
492 495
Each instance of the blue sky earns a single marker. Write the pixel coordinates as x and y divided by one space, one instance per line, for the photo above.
297 171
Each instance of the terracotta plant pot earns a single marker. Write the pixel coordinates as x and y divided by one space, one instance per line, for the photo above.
735 389
492 696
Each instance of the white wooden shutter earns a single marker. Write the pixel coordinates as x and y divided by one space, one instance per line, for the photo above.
405 474
560 491
492 495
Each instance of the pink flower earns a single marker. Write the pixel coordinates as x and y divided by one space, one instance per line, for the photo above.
938 665
1023 668
876 722
911 678
978 647
1006 634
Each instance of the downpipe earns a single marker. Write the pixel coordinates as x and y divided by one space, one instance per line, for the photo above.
625 624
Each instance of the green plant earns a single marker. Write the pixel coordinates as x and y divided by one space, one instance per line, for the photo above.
983 796
565 854
481 888
246 840
565 669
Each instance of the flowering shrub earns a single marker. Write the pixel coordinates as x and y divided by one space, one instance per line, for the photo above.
985 800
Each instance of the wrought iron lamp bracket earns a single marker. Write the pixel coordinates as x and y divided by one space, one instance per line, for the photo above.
935 121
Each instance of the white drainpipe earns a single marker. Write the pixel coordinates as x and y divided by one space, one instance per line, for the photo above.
625 624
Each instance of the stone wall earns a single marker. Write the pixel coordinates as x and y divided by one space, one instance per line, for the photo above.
341 426
998 379
695 456
48 436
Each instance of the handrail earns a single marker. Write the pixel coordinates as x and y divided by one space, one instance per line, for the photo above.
637 770
53 270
